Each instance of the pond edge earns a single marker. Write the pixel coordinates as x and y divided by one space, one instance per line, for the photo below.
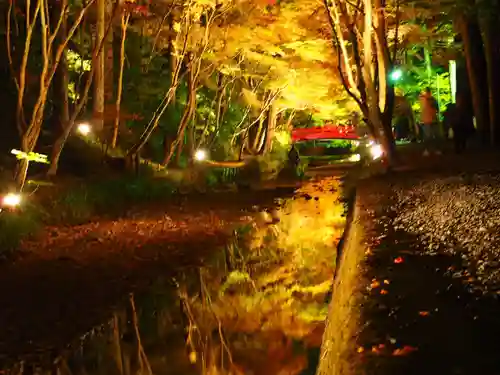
338 354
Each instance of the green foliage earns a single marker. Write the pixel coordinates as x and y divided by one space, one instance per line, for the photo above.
108 197
221 176
76 63
416 80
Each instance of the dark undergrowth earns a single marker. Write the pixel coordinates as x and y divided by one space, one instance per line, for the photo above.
78 201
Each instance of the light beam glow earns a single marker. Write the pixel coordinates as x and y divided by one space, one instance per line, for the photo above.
355 157
84 128
200 155
376 151
11 200
396 74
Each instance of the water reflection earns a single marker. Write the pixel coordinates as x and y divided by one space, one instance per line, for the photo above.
256 307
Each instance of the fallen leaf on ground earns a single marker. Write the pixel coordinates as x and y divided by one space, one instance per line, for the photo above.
375 284
423 313
386 282
405 350
383 291
361 349
398 260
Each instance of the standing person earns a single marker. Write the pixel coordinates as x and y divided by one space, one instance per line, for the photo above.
448 118
293 157
404 119
429 119
462 125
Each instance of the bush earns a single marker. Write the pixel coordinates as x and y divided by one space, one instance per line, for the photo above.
111 196
221 176
14 226
79 205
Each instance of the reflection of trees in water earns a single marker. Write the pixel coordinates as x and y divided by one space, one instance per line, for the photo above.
140 339
259 305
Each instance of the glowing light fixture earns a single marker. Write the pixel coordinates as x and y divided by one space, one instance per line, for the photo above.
376 151
84 128
11 200
396 74
355 157
200 155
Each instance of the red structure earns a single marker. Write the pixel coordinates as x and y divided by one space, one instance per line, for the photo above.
324 132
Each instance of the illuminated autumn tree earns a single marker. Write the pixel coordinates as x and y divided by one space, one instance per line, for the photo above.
283 61
360 40
184 30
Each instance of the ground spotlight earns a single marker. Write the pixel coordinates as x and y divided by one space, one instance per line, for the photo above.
11 200
84 128
376 151
200 155
355 157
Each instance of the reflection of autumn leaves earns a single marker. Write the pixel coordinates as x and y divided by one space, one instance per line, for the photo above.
282 287
310 222
383 349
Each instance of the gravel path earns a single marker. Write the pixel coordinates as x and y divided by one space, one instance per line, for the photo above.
427 303
460 216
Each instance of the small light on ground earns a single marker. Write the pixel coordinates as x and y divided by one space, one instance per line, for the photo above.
84 129
11 200
355 157
200 155
376 151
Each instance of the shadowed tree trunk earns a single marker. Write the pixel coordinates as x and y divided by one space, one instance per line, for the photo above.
488 20
476 68
99 71
189 109
124 26
61 105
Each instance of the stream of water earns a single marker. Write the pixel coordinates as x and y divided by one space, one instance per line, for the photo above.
256 307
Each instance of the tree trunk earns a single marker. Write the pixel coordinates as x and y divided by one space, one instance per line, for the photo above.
271 127
119 89
187 114
474 57
61 140
99 71
492 55
167 144
61 80
21 173
168 138
109 82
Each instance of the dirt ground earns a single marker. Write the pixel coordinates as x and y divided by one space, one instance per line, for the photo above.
69 279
